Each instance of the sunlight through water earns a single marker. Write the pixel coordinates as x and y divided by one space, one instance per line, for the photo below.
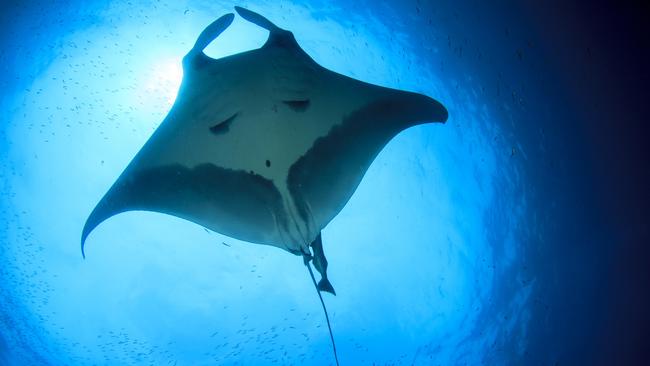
417 255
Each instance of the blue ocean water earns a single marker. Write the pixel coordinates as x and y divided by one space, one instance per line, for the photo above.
451 252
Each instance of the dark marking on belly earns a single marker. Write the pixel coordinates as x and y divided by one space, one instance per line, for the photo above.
327 175
205 191
298 105
223 127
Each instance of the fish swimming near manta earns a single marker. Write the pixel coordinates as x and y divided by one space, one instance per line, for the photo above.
265 146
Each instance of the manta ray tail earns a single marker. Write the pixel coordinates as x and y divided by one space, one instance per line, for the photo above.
320 263
325 285
311 274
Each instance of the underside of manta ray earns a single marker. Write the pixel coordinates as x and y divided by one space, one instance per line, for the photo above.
264 146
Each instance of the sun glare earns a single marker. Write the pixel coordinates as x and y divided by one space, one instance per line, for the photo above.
164 81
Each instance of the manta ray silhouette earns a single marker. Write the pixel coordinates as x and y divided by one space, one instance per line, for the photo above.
264 146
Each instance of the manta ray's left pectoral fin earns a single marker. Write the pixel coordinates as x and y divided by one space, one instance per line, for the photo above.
320 263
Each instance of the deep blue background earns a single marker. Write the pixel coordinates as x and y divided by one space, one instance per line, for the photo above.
526 243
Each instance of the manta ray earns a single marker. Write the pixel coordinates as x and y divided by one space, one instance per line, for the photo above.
265 146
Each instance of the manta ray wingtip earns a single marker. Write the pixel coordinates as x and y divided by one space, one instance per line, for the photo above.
84 235
445 115
97 216
436 110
